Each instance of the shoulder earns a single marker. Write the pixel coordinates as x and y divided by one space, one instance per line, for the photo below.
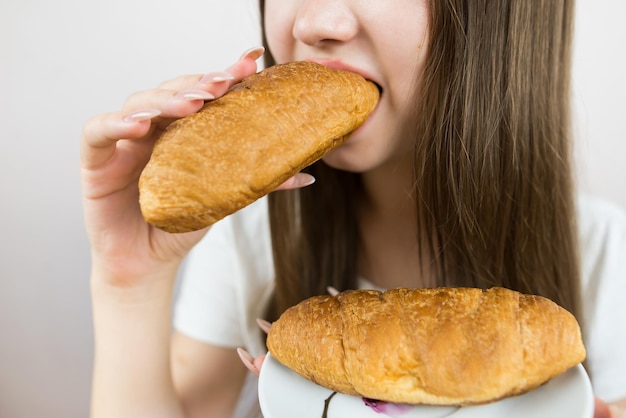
602 240
594 212
601 227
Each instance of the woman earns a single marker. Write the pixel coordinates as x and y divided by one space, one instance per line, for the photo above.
460 177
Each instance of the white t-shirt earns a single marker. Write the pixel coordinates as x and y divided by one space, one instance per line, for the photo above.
228 278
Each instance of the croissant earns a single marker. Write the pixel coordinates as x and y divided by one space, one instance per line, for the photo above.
243 145
441 346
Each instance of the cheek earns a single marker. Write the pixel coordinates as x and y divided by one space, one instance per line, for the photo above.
279 18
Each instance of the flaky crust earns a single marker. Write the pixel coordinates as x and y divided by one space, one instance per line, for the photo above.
443 346
243 145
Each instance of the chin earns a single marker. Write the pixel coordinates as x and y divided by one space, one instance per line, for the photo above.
346 159
363 156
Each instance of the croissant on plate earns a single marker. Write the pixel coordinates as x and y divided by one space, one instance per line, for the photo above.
440 346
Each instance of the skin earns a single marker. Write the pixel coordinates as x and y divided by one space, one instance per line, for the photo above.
141 369
134 265
384 42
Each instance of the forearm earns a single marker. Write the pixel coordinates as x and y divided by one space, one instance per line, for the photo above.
135 263
132 374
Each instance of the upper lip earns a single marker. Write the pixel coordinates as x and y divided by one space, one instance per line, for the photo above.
340 65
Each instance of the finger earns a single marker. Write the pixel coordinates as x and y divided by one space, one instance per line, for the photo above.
218 82
297 181
264 325
258 362
101 133
246 65
250 362
214 83
332 291
191 80
171 103
217 77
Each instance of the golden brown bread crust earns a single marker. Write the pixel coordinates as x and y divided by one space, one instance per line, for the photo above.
243 145
443 346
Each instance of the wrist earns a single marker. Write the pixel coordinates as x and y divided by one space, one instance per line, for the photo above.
151 294
129 273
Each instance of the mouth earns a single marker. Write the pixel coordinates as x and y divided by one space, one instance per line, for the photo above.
378 86
339 65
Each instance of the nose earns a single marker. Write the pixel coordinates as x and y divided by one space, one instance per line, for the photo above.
322 21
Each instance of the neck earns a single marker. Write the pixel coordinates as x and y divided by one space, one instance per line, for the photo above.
388 193
390 252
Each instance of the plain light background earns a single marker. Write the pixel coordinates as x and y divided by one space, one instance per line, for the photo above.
64 61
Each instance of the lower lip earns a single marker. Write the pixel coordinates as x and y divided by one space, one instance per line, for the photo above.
367 121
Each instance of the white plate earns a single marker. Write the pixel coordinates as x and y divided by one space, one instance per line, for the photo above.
285 394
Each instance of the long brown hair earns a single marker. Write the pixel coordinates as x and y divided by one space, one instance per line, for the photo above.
493 181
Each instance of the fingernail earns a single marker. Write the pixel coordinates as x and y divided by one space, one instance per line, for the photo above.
304 179
142 115
264 325
217 77
253 53
246 359
194 95
332 291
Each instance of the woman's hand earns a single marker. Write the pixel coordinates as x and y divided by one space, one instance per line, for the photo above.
134 265
115 148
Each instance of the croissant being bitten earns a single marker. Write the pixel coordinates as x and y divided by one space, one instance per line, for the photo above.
441 346
243 145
